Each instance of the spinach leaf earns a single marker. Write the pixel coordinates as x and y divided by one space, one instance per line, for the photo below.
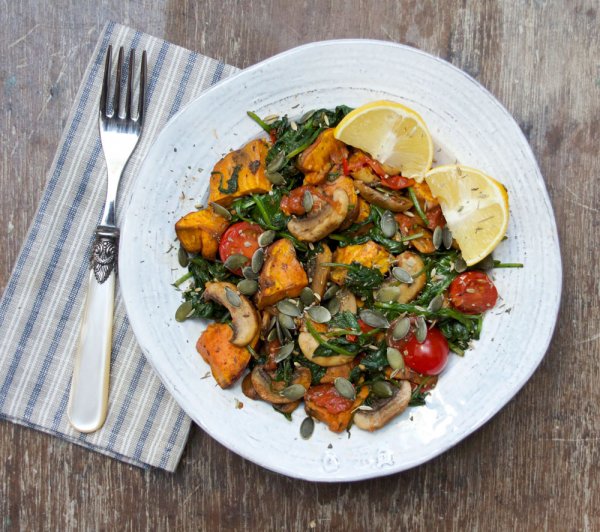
443 263
345 320
375 361
360 280
317 372
232 183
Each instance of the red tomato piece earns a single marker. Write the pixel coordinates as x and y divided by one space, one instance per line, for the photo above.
326 396
473 293
435 217
397 182
294 202
240 238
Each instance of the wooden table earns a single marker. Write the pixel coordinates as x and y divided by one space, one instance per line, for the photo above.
534 466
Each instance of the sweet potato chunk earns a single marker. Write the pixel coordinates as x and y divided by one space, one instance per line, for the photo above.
320 157
410 226
199 232
364 210
323 402
227 362
281 276
240 173
370 254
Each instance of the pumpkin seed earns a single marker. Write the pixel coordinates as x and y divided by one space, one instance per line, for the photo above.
286 322
266 238
289 308
460 265
307 201
401 328
287 335
284 352
249 273
272 334
185 310
436 303
319 314
421 331
330 292
183 257
247 287
220 210
334 305
276 163
279 330
258 259
447 237
402 275
388 293
487 263
382 389
388 224
345 388
275 177
306 116
307 296
437 237
232 297
235 261
307 428
293 392
374 319
394 358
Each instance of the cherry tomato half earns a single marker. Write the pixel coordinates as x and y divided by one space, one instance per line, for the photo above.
428 357
242 238
397 182
473 293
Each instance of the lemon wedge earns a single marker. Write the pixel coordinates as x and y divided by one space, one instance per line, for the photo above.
392 134
475 207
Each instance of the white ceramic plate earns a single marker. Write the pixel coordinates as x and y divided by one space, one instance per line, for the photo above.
466 122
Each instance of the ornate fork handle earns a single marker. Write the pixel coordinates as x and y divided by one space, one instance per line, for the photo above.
105 252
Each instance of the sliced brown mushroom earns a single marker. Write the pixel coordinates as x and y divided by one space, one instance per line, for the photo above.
248 388
347 301
309 345
384 410
399 292
318 223
287 408
269 390
319 277
386 200
245 322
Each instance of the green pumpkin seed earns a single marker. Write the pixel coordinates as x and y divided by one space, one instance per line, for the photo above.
287 335
220 210
307 201
275 177
487 263
382 389
460 265
232 297
185 310
345 388
293 392
421 330
394 358
319 314
402 275
447 237
374 319
307 428
334 305
276 163
306 116
307 296
388 224
247 287
401 328
258 259
183 257
249 273
436 303
284 352
279 331
266 238
286 322
235 261
388 294
330 292
272 334
289 308
438 237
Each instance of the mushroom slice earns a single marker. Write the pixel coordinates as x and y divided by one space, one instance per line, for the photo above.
386 200
413 264
245 323
269 390
319 223
248 388
309 345
347 301
321 273
384 410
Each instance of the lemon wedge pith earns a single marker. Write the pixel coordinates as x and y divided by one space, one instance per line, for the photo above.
391 133
475 207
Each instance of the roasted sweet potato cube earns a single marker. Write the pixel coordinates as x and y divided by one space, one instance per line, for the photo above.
319 158
370 254
199 232
240 173
323 402
227 362
364 210
281 276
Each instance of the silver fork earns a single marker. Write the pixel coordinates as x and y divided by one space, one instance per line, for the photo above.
119 133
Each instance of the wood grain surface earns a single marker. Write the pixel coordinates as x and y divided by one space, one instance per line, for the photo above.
534 466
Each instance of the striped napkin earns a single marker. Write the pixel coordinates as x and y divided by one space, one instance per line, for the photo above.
41 308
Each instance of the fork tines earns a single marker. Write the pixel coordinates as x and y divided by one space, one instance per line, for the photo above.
122 110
